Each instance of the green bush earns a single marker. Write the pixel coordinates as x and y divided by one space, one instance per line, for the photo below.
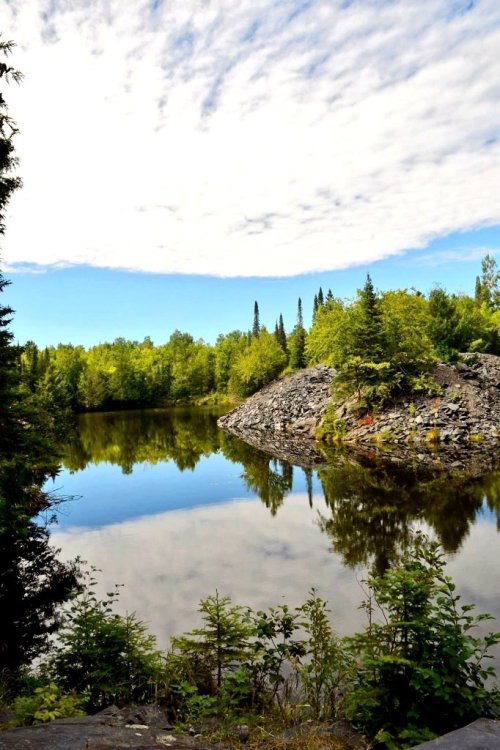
105 656
46 703
421 668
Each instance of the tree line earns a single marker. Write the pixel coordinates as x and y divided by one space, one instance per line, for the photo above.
380 342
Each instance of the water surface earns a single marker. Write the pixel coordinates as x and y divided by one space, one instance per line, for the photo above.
172 507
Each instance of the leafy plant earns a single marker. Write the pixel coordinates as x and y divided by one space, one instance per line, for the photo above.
327 667
332 429
106 656
420 668
46 703
273 648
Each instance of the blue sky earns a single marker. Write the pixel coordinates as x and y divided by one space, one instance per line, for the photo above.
85 305
181 159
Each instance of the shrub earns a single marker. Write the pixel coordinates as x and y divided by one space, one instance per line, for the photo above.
106 656
46 703
421 668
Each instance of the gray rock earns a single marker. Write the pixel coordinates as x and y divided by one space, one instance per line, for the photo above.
483 734
285 415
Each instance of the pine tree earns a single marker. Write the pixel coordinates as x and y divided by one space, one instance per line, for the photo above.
32 581
315 306
256 321
329 296
321 299
369 341
297 341
300 319
282 335
8 183
478 292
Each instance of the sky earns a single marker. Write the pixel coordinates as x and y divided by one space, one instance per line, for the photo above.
182 158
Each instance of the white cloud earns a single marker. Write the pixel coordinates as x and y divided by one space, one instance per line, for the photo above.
169 561
243 137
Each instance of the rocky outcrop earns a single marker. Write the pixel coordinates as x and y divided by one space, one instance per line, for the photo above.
293 405
466 410
465 416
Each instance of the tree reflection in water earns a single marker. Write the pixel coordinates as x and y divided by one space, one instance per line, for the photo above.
372 505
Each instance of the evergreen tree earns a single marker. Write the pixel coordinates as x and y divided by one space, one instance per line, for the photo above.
300 319
297 341
282 335
329 296
315 306
8 183
478 292
321 299
32 581
256 321
369 339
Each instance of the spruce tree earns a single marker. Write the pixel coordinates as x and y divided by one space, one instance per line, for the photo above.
282 335
369 339
315 306
300 319
32 582
256 321
478 292
297 341
8 183
321 299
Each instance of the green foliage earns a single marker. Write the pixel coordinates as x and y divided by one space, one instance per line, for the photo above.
329 669
273 648
222 641
416 672
421 668
227 349
46 703
259 363
297 341
332 429
106 657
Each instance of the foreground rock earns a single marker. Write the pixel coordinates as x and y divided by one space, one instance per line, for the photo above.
483 734
141 728
146 728
463 420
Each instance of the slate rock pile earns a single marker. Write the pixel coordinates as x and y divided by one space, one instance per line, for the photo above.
465 415
293 405
467 409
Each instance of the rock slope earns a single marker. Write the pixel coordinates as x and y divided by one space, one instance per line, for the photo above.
293 405
467 410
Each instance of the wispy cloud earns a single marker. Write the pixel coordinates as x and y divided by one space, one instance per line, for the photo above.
291 136
457 255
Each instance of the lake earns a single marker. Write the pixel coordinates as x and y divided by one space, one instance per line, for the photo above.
167 504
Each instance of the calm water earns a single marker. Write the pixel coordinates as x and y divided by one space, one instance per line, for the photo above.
167 504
